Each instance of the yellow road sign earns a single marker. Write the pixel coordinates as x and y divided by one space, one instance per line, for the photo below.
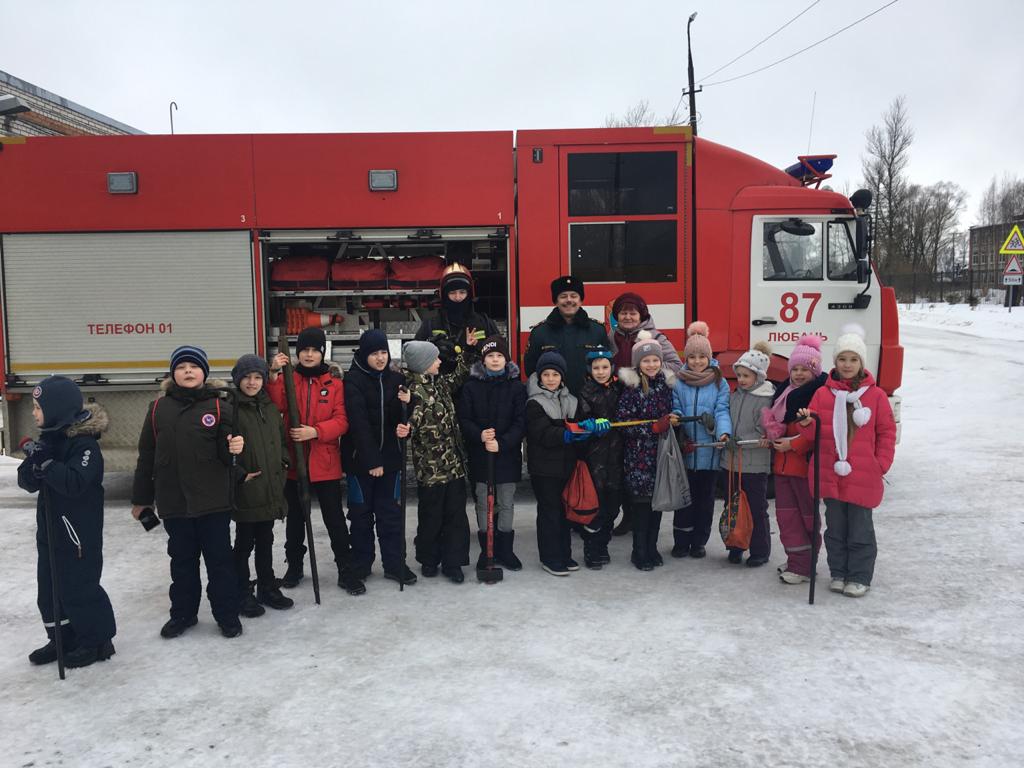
1014 244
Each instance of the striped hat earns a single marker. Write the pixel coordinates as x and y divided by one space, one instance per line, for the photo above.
190 354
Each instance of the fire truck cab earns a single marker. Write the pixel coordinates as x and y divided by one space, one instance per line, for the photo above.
115 250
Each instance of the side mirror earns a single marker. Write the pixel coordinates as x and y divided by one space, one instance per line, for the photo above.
863 249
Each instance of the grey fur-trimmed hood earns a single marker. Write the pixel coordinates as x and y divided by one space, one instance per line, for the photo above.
631 378
95 425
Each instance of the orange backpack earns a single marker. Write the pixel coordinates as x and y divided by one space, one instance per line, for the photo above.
736 525
579 497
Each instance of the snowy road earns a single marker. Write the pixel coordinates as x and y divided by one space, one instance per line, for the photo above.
696 664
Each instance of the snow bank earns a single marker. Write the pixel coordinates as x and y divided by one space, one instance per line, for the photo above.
984 321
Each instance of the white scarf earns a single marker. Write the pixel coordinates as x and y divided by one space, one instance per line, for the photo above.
861 416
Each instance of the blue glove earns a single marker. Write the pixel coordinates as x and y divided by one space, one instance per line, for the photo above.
588 424
574 437
601 426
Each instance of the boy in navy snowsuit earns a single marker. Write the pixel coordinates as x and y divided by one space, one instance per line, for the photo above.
66 466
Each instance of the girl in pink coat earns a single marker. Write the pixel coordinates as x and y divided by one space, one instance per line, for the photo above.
858 441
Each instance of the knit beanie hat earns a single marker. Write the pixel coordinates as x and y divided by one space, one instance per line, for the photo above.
646 345
756 360
60 400
419 355
851 339
189 354
312 337
807 353
551 361
249 364
697 342
494 344
600 353
631 300
566 283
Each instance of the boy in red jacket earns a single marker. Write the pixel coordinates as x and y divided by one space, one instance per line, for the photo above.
858 442
321 401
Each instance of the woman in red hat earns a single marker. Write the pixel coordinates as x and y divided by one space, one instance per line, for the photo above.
630 316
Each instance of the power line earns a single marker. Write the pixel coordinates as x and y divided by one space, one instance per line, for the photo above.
765 40
802 50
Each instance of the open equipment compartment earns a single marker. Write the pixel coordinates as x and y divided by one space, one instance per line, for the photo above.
350 280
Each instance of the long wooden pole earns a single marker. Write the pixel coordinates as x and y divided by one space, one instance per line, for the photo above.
301 468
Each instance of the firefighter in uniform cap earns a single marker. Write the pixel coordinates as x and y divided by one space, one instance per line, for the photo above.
568 330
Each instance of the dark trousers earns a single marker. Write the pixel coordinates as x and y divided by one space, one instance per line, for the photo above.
442 531
261 537
610 499
86 613
646 526
691 526
850 541
209 536
328 495
755 486
554 541
373 503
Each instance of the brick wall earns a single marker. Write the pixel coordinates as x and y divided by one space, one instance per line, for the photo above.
53 115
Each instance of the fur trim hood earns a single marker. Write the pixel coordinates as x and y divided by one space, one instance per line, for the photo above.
218 385
94 426
630 377
477 371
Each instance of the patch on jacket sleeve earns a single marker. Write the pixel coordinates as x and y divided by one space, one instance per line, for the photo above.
209 420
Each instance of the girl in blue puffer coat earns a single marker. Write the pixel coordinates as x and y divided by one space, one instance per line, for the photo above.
699 389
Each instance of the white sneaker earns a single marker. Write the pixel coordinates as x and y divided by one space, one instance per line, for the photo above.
853 589
837 585
793 578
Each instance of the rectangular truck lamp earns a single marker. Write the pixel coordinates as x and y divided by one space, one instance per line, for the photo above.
384 181
123 183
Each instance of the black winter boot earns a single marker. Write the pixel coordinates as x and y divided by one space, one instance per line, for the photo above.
83 657
652 548
293 575
48 653
503 550
454 573
248 606
639 558
403 575
231 630
350 582
272 598
176 627
590 557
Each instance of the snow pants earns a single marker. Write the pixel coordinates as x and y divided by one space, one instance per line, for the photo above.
554 541
442 531
87 618
850 541
691 526
258 536
209 536
755 486
504 494
610 499
328 495
373 503
794 511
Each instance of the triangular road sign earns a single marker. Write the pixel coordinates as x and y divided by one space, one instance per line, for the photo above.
1013 267
1014 244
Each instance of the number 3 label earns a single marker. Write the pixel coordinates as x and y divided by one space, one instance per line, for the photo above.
790 311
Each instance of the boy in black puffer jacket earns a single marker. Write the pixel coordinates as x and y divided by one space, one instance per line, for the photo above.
259 500
492 414
67 467
372 455
599 398
184 466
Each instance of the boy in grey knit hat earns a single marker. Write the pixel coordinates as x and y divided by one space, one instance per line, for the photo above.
442 533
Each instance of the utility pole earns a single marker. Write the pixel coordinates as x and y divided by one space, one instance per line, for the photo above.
692 93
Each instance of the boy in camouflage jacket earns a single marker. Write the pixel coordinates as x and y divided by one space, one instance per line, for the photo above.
442 533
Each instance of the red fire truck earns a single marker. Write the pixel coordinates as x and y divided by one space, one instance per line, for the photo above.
115 250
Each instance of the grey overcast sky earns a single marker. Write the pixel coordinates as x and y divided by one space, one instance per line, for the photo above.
457 65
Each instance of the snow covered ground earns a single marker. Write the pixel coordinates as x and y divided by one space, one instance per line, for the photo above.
696 664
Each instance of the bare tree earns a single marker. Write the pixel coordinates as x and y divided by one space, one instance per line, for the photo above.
884 166
945 201
1002 201
641 114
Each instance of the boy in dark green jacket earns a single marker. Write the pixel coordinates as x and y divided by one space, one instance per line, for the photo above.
259 500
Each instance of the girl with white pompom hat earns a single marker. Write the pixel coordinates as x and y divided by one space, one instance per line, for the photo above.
858 442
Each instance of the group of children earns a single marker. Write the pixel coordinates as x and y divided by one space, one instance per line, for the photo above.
209 454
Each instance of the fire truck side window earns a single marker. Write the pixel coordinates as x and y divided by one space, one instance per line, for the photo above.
790 256
625 251
842 261
622 183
